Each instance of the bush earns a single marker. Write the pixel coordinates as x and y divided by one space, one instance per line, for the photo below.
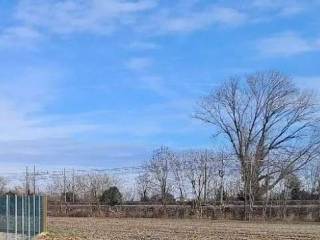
157 198
111 197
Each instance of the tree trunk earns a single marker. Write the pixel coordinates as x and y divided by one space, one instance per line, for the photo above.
251 189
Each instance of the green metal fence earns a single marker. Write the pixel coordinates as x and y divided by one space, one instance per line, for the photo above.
22 217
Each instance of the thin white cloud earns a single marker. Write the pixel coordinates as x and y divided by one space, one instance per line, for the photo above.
33 19
105 17
139 64
19 36
262 11
286 44
66 17
143 45
30 88
28 140
156 84
168 21
24 95
15 125
282 8
54 154
309 82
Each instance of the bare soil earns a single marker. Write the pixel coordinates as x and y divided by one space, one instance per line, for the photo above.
174 229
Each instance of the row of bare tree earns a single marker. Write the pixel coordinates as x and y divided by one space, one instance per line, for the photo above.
270 126
192 174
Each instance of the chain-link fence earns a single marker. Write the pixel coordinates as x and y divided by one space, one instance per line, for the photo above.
22 217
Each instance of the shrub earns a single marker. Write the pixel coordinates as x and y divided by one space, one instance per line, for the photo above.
111 197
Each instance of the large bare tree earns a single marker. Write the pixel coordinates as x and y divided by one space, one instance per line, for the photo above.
272 126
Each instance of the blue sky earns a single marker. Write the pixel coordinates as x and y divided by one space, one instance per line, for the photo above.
101 83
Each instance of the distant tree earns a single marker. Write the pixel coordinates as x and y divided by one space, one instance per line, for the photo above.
92 185
315 180
144 186
158 169
293 184
112 196
221 196
177 168
11 193
196 170
3 185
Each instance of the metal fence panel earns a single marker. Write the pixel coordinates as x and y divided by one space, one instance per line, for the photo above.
22 217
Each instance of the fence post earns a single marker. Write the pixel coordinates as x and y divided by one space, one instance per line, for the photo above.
16 216
45 214
39 205
34 214
22 214
7 216
29 218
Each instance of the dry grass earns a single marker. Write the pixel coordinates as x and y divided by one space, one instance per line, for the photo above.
160 229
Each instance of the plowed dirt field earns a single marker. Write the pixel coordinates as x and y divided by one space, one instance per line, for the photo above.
160 229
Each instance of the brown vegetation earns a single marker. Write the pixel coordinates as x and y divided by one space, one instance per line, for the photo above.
300 211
